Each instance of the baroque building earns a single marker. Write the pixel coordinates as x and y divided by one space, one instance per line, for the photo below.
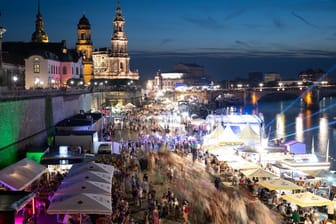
114 63
39 63
84 47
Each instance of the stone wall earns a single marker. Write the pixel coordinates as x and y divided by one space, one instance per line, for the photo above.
27 122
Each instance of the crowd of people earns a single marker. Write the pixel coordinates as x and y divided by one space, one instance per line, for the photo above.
137 194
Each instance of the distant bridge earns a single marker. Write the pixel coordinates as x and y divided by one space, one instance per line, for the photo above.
311 95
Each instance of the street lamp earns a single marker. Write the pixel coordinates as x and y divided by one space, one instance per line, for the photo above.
53 83
15 79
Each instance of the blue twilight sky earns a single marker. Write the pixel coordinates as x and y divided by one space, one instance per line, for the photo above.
228 37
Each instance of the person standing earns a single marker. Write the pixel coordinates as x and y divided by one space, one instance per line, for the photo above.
186 210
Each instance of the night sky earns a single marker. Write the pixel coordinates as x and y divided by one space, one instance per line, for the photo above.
229 38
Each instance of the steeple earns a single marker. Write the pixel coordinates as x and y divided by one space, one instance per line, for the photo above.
115 64
39 35
119 39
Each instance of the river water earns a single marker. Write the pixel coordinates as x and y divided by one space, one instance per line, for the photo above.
290 120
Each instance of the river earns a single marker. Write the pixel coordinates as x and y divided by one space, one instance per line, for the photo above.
290 120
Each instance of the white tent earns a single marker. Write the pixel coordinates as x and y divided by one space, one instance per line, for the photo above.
228 137
20 175
84 187
83 203
89 176
90 166
249 136
213 137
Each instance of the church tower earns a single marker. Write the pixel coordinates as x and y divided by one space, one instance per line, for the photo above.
114 63
120 60
39 36
84 47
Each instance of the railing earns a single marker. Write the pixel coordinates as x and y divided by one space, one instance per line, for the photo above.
6 94
31 93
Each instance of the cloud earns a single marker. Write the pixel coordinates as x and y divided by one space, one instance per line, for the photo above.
166 41
233 15
242 43
207 23
234 53
278 23
303 19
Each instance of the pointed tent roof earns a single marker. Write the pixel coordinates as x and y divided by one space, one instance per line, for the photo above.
216 132
89 176
90 166
229 137
84 203
213 137
20 175
84 187
248 133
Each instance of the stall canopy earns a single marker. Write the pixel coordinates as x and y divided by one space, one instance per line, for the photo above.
243 165
85 190
84 187
260 173
279 184
213 137
20 175
307 199
89 176
249 136
228 137
84 203
91 166
222 136
14 200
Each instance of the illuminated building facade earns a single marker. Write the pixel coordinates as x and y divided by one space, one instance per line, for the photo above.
114 63
182 75
84 47
51 66
46 64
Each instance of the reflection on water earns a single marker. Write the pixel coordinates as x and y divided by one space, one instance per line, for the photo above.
280 131
298 123
323 135
299 128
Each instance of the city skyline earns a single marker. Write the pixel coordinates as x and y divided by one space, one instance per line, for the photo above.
227 38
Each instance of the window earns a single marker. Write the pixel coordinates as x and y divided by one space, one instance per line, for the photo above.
36 68
83 36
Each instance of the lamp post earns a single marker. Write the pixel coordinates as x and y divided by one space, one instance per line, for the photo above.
53 83
15 79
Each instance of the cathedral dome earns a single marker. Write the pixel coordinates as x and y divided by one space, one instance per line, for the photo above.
84 23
